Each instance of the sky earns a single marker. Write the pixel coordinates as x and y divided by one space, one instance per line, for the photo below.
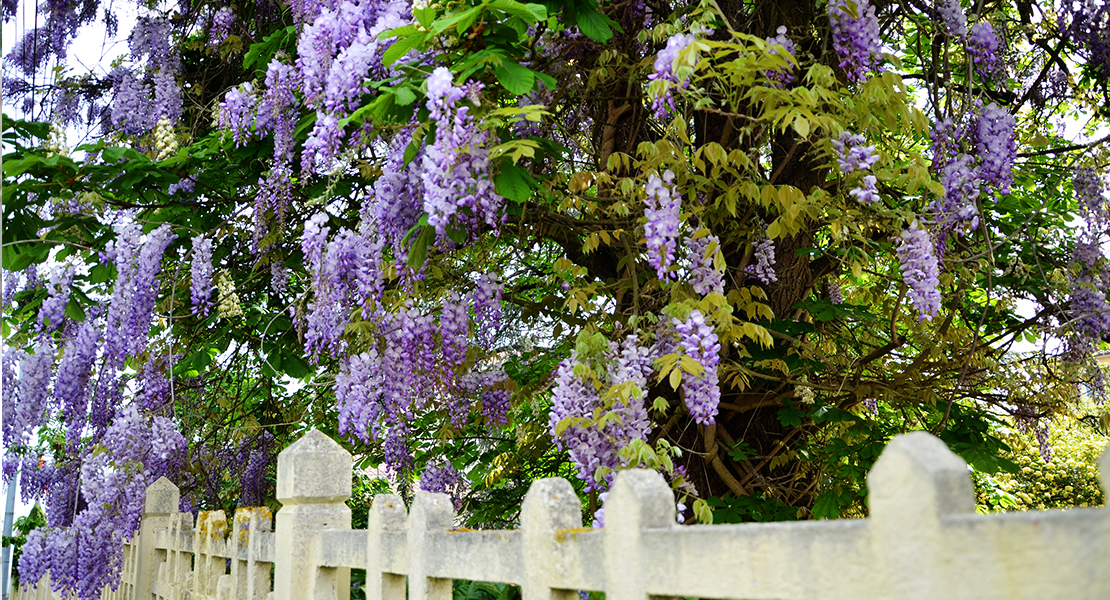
92 50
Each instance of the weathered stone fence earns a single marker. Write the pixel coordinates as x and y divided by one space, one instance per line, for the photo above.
923 540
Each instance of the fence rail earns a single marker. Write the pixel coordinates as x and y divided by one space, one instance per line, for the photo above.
922 540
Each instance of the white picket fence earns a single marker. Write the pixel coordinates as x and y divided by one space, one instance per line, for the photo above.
923 540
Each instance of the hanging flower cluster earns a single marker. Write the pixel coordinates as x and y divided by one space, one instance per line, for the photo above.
592 447
853 155
856 39
667 73
920 271
662 207
972 158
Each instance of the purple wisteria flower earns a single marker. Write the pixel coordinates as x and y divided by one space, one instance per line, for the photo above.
777 44
167 97
996 145
700 252
1090 192
276 113
852 153
31 395
201 269
346 274
982 46
952 14
702 392
458 190
439 478
339 53
131 107
866 192
454 331
662 207
71 387
961 181
238 111
763 267
133 297
358 393
593 447
54 307
856 39
487 306
666 72
222 22
920 271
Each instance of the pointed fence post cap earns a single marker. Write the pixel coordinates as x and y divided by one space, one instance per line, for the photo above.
550 505
387 513
162 498
639 498
431 512
314 470
917 477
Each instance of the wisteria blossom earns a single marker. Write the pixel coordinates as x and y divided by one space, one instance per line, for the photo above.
920 271
702 393
593 448
666 72
782 75
662 206
763 262
855 32
996 145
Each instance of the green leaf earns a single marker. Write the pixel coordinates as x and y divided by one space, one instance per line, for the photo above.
832 414
398 32
374 110
74 310
418 253
101 273
702 512
516 79
424 16
528 12
827 506
511 183
594 25
14 168
548 81
401 47
293 365
676 378
442 25
405 96
788 415
262 52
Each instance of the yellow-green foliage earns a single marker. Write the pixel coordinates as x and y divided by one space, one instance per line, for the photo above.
1069 480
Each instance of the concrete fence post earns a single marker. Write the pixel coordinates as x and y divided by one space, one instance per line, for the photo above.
549 505
251 581
162 498
387 515
430 513
916 482
208 566
639 499
1104 475
179 563
313 484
